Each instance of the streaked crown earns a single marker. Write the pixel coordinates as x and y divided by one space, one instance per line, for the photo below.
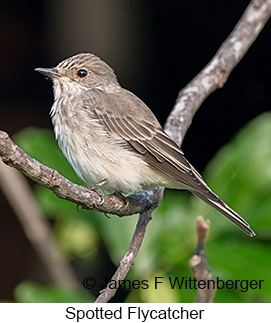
87 69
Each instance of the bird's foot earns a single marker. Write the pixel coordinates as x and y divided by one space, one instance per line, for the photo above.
122 197
95 188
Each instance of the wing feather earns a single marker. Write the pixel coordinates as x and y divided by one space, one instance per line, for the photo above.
149 139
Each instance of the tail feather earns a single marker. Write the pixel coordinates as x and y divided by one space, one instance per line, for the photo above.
224 209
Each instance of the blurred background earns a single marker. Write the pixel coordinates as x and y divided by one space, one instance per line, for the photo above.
156 48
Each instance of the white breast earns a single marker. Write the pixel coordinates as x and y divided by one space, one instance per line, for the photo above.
95 155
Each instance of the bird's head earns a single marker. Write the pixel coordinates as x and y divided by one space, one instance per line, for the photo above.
83 71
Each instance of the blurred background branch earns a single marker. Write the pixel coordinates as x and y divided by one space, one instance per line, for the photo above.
36 227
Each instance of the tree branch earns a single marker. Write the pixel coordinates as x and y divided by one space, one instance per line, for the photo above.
199 266
130 255
216 72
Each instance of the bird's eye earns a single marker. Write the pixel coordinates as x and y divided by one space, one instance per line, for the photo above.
82 73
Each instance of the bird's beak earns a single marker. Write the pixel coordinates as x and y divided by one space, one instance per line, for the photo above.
49 72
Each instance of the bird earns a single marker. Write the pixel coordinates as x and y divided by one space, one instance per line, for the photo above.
113 140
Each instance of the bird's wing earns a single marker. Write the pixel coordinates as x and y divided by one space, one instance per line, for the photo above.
135 123
145 136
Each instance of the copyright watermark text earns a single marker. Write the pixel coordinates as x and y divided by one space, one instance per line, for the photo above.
181 283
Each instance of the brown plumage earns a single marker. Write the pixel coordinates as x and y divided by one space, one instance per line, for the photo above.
106 132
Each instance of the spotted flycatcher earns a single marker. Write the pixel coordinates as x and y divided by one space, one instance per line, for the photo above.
110 136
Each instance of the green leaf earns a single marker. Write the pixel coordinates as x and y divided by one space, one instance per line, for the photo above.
41 145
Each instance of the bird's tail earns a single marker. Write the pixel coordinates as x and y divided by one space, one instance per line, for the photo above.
224 209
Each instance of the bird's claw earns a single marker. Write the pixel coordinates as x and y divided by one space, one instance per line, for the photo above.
95 188
122 197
